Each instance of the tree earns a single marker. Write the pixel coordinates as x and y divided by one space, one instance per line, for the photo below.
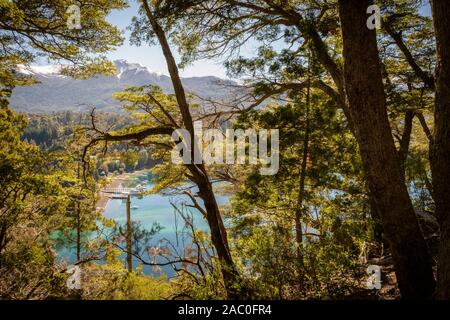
33 202
131 160
33 29
197 173
143 159
367 103
31 207
333 220
440 148
316 24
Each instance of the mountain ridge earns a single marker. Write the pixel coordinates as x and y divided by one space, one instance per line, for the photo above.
56 92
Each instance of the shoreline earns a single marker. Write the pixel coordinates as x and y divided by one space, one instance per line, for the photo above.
114 182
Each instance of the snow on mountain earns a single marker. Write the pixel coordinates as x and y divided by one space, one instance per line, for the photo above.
43 71
124 67
55 92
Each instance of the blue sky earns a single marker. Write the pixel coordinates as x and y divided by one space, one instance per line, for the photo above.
152 57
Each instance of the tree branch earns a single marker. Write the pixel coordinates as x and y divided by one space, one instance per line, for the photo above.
424 76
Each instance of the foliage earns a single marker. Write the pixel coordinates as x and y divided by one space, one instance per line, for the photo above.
300 234
111 281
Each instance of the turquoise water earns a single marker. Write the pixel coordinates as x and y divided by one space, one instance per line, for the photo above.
158 209
150 209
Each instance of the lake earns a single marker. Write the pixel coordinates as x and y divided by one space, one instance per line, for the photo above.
147 210
156 208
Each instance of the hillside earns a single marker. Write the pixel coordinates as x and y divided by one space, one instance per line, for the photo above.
56 92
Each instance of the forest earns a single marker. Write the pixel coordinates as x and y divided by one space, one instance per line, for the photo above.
349 99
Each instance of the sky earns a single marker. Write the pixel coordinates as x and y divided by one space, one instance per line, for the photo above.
152 57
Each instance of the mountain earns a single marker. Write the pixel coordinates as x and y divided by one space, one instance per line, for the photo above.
56 92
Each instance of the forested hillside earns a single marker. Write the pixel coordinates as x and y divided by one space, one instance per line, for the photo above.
55 92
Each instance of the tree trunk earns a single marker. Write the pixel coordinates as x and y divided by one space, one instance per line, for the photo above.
129 236
78 231
440 149
381 163
198 171
78 217
2 241
301 189
406 137
220 241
